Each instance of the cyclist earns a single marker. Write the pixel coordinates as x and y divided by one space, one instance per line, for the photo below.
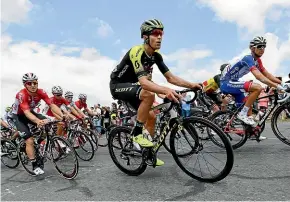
211 88
81 104
249 63
74 110
7 115
131 80
23 114
114 113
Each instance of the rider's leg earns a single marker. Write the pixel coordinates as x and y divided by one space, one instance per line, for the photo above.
150 124
255 90
147 99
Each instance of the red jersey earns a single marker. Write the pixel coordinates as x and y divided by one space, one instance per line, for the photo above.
24 101
81 105
57 102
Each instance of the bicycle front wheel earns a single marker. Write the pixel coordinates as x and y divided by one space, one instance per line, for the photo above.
64 157
206 161
280 124
9 155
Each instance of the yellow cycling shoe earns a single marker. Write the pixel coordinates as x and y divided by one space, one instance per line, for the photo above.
142 141
159 162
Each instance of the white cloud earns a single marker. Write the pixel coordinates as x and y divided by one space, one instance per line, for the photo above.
15 11
118 41
187 54
88 73
104 29
249 14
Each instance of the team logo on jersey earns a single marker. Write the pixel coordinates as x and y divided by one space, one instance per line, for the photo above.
20 97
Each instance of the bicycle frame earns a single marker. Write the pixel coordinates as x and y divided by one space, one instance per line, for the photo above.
262 119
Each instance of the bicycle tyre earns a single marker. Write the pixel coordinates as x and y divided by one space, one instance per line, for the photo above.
238 144
12 147
75 159
84 138
114 132
94 138
229 150
23 158
274 120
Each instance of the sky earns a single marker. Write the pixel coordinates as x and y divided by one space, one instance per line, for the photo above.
76 44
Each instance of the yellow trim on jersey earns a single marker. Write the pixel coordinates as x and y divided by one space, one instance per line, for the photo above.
135 57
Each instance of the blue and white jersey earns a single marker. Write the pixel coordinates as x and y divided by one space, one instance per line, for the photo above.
241 67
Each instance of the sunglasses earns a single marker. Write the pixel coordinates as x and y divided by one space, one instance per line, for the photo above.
29 83
261 47
57 94
157 32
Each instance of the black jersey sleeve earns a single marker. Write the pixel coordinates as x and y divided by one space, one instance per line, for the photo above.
160 63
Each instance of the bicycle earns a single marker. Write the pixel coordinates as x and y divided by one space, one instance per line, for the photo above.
9 155
84 142
53 150
228 121
148 156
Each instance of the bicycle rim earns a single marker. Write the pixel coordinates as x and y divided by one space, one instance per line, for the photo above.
203 171
125 160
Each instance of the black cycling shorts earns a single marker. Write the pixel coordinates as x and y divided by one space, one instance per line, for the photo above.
215 97
21 123
128 92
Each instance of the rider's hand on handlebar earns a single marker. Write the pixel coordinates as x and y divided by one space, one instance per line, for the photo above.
41 123
172 95
281 88
196 86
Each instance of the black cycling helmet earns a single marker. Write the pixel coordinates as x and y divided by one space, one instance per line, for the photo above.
223 66
150 25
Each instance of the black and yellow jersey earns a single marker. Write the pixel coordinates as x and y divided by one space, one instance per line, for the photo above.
135 64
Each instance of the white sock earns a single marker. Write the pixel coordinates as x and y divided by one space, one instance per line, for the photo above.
244 111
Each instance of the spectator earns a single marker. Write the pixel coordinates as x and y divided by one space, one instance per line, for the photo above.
289 79
106 114
185 107
263 102
98 111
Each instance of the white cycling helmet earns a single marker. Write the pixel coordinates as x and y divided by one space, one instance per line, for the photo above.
82 96
258 40
57 90
29 77
68 94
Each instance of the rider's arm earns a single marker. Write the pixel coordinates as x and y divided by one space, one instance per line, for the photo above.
90 112
31 116
79 111
175 80
271 77
150 86
73 111
262 78
56 111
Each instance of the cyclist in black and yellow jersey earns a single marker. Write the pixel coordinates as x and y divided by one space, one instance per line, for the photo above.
211 87
131 80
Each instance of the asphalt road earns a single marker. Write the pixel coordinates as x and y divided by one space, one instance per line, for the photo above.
261 172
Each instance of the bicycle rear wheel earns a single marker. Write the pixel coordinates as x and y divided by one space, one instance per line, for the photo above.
123 154
237 134
66 154
9 155
202 150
